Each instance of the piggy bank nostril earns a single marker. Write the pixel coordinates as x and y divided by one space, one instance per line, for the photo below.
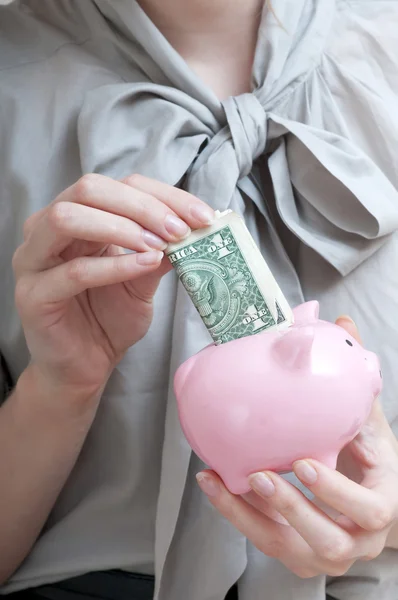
381 374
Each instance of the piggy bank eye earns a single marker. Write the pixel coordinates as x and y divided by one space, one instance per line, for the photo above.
349 343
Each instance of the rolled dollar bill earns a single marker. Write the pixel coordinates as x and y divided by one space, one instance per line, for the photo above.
229 281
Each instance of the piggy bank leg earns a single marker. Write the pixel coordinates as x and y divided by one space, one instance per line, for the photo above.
236 484
329 461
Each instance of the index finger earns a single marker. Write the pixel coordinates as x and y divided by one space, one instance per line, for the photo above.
191 209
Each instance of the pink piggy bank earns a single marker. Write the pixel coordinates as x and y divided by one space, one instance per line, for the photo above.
265 401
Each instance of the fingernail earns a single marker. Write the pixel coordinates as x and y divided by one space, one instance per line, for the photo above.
149 258
153 241
176 227
346 318
262 485
305 472
207 484
202 213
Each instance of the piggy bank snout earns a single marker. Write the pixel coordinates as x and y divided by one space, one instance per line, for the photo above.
373 365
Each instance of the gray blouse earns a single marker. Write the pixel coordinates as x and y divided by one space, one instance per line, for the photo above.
308 159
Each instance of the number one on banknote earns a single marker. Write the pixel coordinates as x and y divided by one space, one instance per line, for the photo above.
229 281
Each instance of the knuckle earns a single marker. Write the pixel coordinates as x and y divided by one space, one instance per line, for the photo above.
339 570
28 226
377 547
134 180
59 214
85 187
21 294
142 211
371 555
274 548
305 572
287 506
337 551
17 258
230 510
77 270
143 206
380 517
118 266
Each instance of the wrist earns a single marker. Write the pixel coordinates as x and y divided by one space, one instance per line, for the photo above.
40 391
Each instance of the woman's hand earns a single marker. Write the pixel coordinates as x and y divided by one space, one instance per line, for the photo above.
359 504
83 300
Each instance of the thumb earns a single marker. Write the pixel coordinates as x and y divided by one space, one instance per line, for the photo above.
348 324
145 287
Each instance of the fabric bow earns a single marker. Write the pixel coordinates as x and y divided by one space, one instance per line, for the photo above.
328 192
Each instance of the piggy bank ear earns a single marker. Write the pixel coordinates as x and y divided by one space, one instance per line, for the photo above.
306 313
293 349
